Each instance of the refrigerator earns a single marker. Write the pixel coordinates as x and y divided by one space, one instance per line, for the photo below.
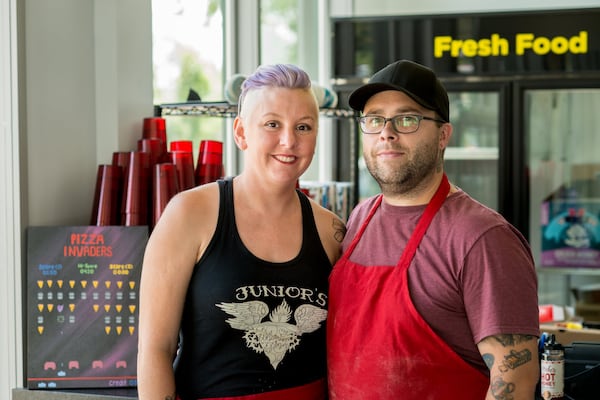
560 138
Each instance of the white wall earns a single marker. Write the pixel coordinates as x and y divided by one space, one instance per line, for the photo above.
88 77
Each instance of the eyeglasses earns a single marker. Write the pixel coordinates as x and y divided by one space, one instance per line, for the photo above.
403 123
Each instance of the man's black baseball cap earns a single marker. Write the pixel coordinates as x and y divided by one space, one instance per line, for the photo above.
416 80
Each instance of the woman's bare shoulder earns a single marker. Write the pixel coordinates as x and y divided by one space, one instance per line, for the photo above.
190 217
198 202
332 229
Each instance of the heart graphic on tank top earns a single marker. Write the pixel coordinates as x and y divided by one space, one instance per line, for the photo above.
277 336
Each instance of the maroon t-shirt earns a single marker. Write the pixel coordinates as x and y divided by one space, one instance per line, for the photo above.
472 276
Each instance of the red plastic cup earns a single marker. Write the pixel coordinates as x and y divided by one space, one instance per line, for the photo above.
182 145
165 186
156 149
209 173
121 159
136 195
155 128
210 152
184 164
210 162
107 197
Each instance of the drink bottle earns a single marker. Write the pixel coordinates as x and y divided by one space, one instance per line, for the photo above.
553 370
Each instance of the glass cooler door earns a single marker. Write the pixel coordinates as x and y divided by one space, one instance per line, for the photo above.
562 141
472 157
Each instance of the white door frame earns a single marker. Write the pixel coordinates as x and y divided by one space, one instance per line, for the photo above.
11 329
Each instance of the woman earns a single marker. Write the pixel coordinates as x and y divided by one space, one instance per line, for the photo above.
235 272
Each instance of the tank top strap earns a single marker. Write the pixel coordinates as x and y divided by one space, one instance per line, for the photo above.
310 234
226 218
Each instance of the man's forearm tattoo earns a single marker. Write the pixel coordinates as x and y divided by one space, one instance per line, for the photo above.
499 388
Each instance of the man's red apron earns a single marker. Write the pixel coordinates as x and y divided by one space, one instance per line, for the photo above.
378 345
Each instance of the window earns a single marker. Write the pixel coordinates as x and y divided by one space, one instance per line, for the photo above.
279 31
188 59
188 53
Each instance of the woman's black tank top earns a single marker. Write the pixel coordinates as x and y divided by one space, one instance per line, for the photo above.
248 325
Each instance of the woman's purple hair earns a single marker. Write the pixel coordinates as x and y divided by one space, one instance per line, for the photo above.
278 75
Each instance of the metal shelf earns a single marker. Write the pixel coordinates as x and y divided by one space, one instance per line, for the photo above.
224 109
219 109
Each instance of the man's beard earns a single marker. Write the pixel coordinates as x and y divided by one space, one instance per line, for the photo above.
408 176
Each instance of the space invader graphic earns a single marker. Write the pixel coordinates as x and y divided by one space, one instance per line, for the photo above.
83 287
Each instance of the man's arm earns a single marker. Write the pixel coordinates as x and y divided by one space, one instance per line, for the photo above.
514 366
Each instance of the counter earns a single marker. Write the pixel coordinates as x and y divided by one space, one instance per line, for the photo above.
75 394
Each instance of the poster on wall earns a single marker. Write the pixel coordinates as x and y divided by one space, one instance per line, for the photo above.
82 305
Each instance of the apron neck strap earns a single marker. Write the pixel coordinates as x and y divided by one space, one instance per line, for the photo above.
432 208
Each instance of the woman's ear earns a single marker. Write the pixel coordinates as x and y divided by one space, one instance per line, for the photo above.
239 135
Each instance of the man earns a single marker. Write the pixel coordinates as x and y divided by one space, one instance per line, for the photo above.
435 295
